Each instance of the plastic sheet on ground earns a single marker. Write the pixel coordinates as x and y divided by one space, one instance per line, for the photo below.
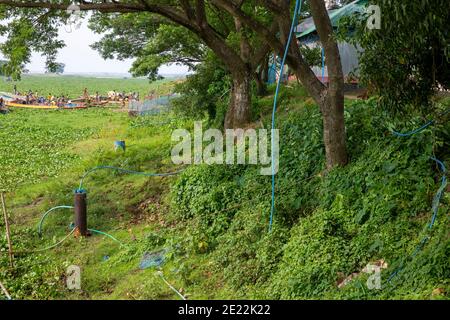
153 259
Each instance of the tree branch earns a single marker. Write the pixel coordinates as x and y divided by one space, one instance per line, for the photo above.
294 59
172 14
206 32
201 14
84 6
220 18
187 9
259 55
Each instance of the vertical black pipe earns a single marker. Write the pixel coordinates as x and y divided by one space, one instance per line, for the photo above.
81 213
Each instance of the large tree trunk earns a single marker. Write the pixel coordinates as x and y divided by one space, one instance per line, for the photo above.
331 99
333 108
334 136
238 113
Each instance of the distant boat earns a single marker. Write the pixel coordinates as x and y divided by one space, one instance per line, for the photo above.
16 101
43 106
28 106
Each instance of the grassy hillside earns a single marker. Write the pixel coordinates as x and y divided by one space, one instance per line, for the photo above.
213 220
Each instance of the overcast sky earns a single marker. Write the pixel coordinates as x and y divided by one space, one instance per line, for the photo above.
80 58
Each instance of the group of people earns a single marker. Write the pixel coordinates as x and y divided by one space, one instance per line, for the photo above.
31 97
122 96
35 98
50 99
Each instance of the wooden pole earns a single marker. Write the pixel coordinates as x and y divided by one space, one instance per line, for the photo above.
8 232
80 209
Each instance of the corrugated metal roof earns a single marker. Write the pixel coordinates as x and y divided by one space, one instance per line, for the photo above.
307 26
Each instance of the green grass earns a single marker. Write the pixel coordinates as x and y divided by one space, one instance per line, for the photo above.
35 144
43 155
73 86
46 153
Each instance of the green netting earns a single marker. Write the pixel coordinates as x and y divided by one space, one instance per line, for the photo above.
153 106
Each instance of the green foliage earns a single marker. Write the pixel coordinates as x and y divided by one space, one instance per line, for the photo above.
23 36
171 44
405 67
198 196
247 254
57 68
150 39
312 56
327 226
123 36
23 140
2 64
205 92
39 277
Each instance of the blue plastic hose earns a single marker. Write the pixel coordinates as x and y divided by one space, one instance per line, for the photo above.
426 125
435 209
438 196
297 10
407 134
73 228
47 213
107 235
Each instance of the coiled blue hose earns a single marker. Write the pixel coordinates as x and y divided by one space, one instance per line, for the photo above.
73 229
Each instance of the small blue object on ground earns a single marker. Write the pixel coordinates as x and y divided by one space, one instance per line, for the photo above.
119 144
153 259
